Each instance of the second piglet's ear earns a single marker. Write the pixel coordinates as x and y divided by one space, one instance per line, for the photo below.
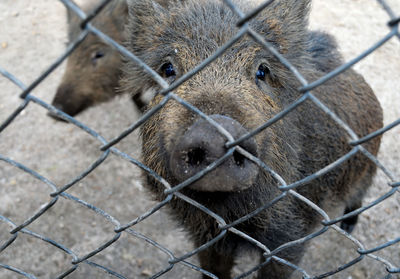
119 13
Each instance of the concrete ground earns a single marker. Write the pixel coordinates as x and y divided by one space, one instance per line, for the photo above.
33 35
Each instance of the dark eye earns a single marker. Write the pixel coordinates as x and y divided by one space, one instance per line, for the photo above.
168 70
262 72
98 54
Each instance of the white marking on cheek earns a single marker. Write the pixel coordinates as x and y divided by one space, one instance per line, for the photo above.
149 94
176 50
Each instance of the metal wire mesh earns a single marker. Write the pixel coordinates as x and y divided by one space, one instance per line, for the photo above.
172 191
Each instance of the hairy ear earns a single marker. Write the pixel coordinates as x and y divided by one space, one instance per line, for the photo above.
71 15
146 21
120 8
165 3
147 5
73 21
141 8
286 22
294 12
118 12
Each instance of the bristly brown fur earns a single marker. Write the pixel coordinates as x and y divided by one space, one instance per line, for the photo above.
94 68
186 32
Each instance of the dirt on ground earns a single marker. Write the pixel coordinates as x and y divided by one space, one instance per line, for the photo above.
32 36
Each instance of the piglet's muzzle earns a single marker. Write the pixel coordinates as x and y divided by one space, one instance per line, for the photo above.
201 145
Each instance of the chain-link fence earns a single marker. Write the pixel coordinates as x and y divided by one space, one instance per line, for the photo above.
24 230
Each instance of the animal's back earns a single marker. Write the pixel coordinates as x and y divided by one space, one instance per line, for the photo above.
351 98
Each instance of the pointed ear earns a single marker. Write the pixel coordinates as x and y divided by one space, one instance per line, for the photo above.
146 22
117 11
73 21
285 23
141 8
164 3
71 15
121 8
292 12
146 19
147 6
140 11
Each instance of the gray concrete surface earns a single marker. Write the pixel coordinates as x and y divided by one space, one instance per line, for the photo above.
33 35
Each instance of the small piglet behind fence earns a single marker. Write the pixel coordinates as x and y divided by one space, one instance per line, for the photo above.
94 68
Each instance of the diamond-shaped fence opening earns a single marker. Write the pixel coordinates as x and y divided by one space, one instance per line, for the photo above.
48 227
